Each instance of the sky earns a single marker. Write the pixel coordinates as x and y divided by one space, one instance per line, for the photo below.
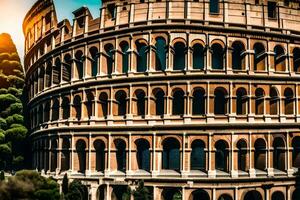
12 13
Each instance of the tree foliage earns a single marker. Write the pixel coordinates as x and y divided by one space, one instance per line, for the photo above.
142 192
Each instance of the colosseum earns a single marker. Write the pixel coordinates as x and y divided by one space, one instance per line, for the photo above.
199 99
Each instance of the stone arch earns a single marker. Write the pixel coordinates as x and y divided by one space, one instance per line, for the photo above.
296 152
259 101
242 154
65 108
274 101
241 101
179 55
199 194
199 101
237 56
99 147
143 154
171 194
198 155
67 65
222 155
289 101
178 102
48 77
142 55
103 108
296 59
140 102
109 58
217 55
55 109
90 104
65 156
260 155
160 53
54 154
225 197
121 101
159 101
198 50
279 58
121 157
296 194
94 61
220 101
77 107
253 195
56 74
279 154
79 64
124 46
171 154
278 195
81 154
259 56
41 77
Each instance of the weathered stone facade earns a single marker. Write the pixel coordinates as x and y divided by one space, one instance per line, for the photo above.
195 97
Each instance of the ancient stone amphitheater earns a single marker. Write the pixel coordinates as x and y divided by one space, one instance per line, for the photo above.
198 98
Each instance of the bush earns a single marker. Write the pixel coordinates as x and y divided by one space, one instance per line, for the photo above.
14 91
14 119
16 134
77 191
3 124
5 150
7 99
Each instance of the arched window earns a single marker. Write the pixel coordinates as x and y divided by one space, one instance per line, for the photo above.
253 195
296 194
47 112
278 196
125 56
296 60
274 101
217 56
121 99
159 102
66 108
66 74
171 194
35 79
109 55
241 101
237 57
199 102
178 102
171 154
55 110
259 56
179 56
103 98
198 155
140 102
220 101
279 154
279 58
259 101
121 154
90 104
214 7
40 115
288 101
200 195
49 74
161 54
79 64
56 71
296 152
53 155
198 56
65 155
77 106
142 50
242 155
225 197
260 154
100 155
221 156
41 78
94 61
81 153
143 154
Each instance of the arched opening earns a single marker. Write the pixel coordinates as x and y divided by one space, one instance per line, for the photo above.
41 78
274 101
79 64
40 115
288 101
259 56
103 100
142 50
278 196
242 155
237 56
279 154
225 197
77 107
120 192
217 56
296 152
171 154
161 54
47 112
94 61
221 156
101 192
178 102
171 194
140 102
66 108
66 74
296 194
109 56
125 56
179 56
53 155
49 74
220 101
65 155
55 110
81 153
198 56
200 195
90 104
198 155
100 155
279 58
259 101
296 60
253 195
143 154
56 71
121 154
198 101
121 99
260 154
159 96
241 101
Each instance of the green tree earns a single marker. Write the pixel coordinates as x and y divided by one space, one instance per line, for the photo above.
2 176
142 192
65 184
77 191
